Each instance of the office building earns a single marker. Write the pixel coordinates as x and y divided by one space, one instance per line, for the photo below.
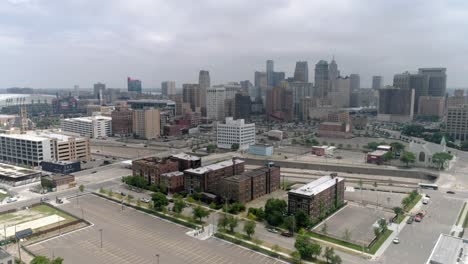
340 95
134 85
333 74
242 105
457 122
62 167
16 176
431 106
99 89
377 82
216 97
122 122
437 80
204 83
321 79
146 123
280 104
317 197
278 77
270 69
307 103
261 150
208 178
355 82
396 105
250 185
168 88
418 82
335 130
261 84
248 88
459 98
300 90
235 132
191 95
90 126
163 105
174 181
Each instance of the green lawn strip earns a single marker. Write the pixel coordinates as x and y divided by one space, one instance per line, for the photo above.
376 245
461 213
400 218
47 210
3 196
335 241
465 221
413 203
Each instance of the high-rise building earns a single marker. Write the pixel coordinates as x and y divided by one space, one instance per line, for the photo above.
321 79
377 82
89 126
418 82
168 88
333 74
99 89
300 90
437 80
122 121
278 77
340 95
235 132
270 69
261 84
459 98
215 99
248 88
146 123
396 105
280 104
431 106
243 106
301 72
204 83
191 95
457 122
134 85
76 90
355 80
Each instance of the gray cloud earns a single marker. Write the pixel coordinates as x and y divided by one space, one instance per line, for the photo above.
47 43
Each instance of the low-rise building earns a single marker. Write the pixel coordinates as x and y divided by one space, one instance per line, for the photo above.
275 135
63 167
174 181
5 257
90 126
376 157
317 197
449 250
16 176
335 130
58 182
152 168
323 150
187 161
208 178
261 150
251 185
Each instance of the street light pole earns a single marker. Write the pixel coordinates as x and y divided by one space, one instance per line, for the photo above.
157 258
100 230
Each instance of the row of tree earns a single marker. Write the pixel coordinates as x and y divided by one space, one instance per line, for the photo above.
307 249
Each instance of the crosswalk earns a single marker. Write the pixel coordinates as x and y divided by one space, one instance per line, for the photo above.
130 236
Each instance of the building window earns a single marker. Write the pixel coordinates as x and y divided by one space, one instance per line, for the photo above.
422 157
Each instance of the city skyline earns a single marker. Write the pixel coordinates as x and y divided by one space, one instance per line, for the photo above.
49 50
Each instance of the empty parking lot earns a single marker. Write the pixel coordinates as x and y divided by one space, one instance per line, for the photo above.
130 236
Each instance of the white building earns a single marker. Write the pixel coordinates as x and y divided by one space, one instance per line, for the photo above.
215 97
90 126
235 132
168 88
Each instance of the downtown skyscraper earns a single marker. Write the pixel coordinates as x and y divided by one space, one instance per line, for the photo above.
204 83
301 72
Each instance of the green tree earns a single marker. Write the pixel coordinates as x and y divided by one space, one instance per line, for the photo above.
306 248
159 201
235 147
46 260
383 225
289 223
81 188
464 146
275 209
407 157
397 147
223 221
388 156
336 260
406 202
347 235
232 223
200 212
324 228
372 145
441 158
329 254
302 219
211 148
398 211
249 228
179 205
376 231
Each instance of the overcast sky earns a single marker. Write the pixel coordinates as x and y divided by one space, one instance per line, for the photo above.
59 43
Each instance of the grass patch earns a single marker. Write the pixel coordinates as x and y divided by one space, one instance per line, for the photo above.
413 203
47 210
465 222
3 196
377 243
400 218
461 213
335 241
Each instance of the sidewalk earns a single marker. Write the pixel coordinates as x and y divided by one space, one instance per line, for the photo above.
457 228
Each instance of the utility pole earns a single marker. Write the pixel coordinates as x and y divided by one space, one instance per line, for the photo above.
157 258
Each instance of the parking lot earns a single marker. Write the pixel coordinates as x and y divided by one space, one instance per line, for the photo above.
385 199
356 219
130 236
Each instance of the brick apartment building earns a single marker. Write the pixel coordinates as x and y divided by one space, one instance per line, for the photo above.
152 168
251 185
322 194
173 180
187 161
208 178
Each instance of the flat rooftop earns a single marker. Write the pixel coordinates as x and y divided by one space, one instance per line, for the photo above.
448 249
378 152
89 119
184 156
11 171
24 137
317 186
172 174
212 167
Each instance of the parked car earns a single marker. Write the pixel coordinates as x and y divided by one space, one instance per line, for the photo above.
12 199
123 194
450 192
410 220
272 230
396 240
425 200
286 234
144 200
44 199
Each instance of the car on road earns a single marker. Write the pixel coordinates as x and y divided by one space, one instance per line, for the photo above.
93 172
396 240
450 192
145 200
410 220
273 230
44 199
419 216
123 194
11 200
287 234
426 200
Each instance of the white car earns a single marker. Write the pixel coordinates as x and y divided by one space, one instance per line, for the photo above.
12 199
396 240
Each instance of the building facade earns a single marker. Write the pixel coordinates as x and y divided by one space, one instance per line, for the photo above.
215 103
396 105
317 197
431 106
204 83
134 85
146 123
437 80
122 122
301 72
90 126
152 168
377 82
191 95
168 88
235 132
457 122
